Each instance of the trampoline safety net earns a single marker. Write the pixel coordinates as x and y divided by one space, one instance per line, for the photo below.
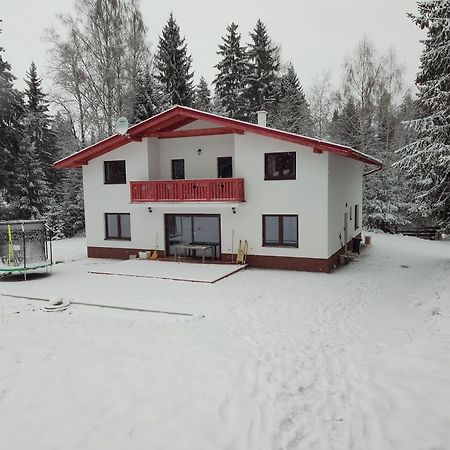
23 246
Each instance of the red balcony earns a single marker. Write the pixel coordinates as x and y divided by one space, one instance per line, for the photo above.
209 190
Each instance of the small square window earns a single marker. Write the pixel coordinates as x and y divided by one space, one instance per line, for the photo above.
279 166
280 230
115 172
117 226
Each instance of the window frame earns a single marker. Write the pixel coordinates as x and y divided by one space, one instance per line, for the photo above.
280 242
292 176
107 180
173 163
356 216
119 227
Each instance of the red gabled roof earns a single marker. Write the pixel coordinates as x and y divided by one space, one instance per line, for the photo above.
164 124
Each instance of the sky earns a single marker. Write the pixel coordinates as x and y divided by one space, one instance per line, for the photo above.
315 35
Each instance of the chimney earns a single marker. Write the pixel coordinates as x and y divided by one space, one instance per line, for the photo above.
262 118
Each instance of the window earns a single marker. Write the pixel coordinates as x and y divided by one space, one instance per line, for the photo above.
115 172
356 217
279 166
280 231
118 226
177 169
225 167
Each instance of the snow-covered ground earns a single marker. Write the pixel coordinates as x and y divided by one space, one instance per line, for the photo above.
359 359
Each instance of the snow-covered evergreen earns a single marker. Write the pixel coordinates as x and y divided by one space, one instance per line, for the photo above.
202 96
290 111
11 113
427 159
65 210
173 65
150 98
231 77
38 124
263 68
29 190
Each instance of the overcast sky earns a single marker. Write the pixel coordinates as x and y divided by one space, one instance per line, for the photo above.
315 35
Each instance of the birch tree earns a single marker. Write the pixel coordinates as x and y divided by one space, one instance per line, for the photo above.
96 61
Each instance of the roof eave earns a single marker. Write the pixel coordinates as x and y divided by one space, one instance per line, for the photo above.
158 122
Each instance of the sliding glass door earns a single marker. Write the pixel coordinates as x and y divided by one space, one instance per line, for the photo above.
193 229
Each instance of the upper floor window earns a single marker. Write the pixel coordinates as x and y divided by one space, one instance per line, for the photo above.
280 230
225 167
115 172
279 166
117 226
178 169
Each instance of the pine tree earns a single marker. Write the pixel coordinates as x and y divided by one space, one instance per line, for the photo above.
202 96
231 78
291 110
39 124
173 65
65 211
427 159
264 64
30 189
11 112
344 126
150 98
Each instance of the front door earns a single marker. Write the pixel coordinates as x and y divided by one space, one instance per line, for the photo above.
193 229
346 231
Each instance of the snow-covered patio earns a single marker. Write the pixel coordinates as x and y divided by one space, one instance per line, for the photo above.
356 359
169 270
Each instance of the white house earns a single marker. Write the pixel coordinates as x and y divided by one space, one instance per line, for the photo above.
187 177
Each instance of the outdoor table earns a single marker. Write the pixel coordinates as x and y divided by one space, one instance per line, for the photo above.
185 247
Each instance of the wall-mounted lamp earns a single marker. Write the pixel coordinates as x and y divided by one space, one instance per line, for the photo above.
199 151
233 209
149 209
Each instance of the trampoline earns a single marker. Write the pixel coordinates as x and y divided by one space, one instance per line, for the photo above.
25 245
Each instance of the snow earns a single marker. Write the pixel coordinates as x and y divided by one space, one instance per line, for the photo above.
181 271
356 359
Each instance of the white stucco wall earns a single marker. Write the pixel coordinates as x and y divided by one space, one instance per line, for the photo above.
100 198
344 192
195 165
305 196
197 124
323 184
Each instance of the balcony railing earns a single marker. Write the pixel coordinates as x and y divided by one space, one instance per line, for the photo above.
207 190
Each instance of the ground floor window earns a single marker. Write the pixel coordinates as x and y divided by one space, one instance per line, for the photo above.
280 230
356 217
117 226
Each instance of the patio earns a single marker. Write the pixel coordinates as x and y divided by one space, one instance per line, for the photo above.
169 270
